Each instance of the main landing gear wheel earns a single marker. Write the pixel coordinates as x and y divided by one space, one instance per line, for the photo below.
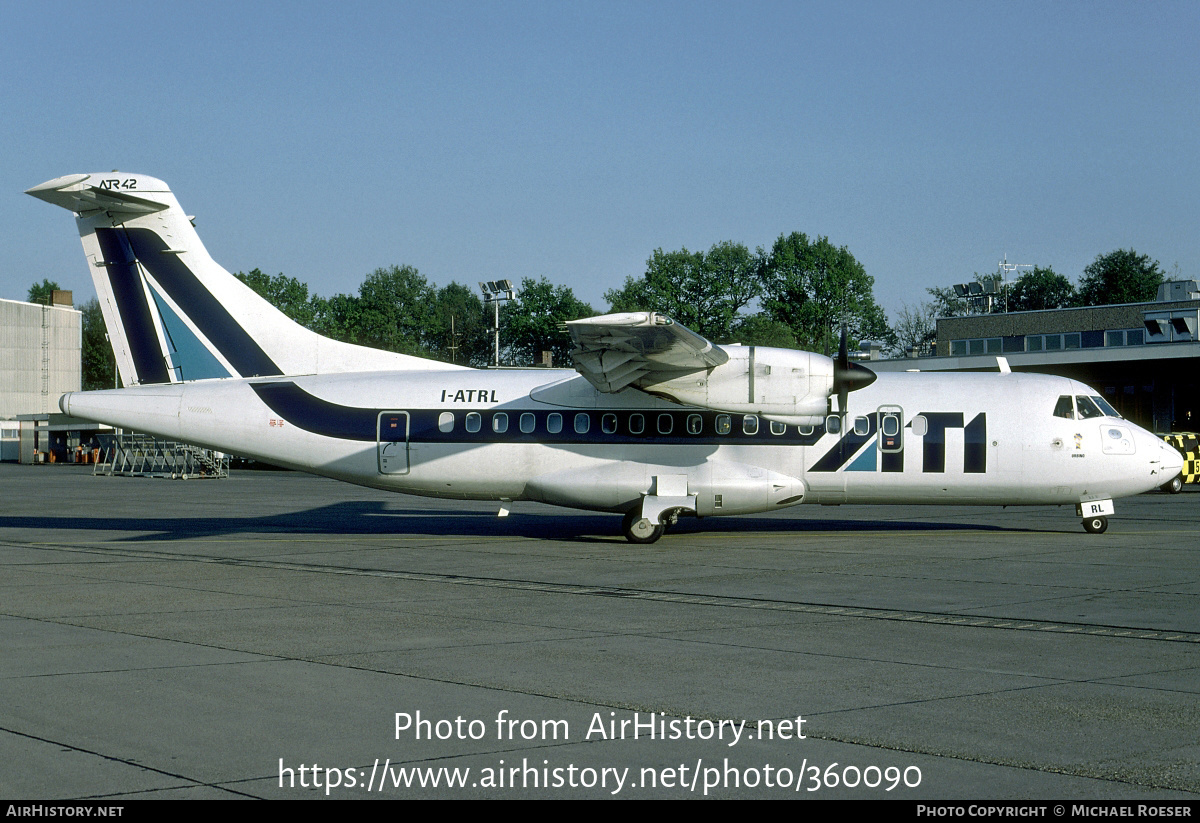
639 529
1173 486
1096 525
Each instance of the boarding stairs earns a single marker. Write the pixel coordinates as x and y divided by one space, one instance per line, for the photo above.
142 455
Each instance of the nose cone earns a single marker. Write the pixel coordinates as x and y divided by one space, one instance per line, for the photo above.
1172 460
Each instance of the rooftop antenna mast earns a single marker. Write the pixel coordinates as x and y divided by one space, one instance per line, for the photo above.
1004 267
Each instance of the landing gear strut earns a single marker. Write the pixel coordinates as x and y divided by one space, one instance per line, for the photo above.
639 529
1095 525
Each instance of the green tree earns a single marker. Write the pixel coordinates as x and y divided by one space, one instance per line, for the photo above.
915 327
40 292
1121 276
533 322
393 310
703 291
815 287
99 363
1041 288
337 317
761 330
458 327
287 294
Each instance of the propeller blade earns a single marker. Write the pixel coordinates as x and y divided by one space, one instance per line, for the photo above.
847 376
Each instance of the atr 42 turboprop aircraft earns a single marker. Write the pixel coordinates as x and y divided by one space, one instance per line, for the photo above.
654 422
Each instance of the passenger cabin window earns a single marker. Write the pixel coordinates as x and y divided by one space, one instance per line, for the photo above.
665 423
608 424
527 423
750 424
920 425
724 424
499 422
554 422
474 422
1087 409
446 422
777 428
833 424
583 422
891 425
637 424
1065 408
695 424
862 426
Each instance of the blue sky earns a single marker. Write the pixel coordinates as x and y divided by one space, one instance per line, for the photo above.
483 140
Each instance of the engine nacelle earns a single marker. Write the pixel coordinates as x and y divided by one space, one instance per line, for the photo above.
786 385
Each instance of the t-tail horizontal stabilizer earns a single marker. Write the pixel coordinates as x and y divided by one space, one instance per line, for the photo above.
173 314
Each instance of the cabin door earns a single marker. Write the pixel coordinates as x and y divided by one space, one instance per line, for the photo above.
392 445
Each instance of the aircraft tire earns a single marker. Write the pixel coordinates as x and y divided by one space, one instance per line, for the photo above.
1095 525
639 529
1173 486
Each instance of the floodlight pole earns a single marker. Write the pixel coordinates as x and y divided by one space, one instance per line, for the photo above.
495 292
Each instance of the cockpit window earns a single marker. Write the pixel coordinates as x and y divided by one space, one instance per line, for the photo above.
1087 409
1105 406
1064 407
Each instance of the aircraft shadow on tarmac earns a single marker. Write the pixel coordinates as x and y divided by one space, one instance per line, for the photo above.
377 518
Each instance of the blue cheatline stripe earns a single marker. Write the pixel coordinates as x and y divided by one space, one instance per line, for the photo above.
235 343
136 320
194 360
310 413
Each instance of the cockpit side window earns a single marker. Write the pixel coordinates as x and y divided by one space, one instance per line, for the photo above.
1105 406
1087 409
1065 408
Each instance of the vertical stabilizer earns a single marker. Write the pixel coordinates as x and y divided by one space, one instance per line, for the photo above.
173 313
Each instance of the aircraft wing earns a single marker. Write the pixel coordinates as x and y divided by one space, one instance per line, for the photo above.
615 351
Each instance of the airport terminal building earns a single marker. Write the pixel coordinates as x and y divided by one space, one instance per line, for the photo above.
1144 358
40 360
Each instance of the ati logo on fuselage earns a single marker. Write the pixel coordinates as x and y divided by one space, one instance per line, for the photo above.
888 452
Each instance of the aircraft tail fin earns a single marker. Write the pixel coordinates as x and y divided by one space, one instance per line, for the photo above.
172 312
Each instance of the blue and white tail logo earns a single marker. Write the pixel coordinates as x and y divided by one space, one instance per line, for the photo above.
173 313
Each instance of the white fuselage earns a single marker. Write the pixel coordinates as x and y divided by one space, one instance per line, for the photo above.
548 435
